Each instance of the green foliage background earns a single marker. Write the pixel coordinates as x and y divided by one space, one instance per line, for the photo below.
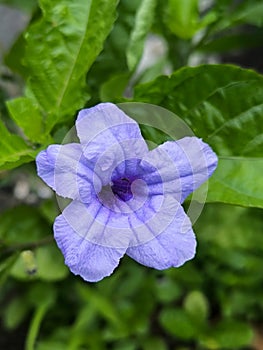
74 54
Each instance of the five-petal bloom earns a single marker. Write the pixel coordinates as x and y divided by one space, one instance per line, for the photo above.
125 198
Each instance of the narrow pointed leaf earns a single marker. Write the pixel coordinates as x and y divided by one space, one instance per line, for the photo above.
143 22
182 17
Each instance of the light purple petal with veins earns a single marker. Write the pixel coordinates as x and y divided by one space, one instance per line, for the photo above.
106 127
171 248
181 166
89 260
66 171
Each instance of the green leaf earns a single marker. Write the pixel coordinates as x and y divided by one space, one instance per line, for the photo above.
223 105
13 149
26 114
237 181
183 19
196 306
143 22
126 345
232 334
6 266
15 312
41 293
167 290
24 5
14 58
50 344
113 89
22 225
155 343
248 12
100 303
112 60
62 46
231 42
49 265
177 322
230 15
253 15
49 210
153 71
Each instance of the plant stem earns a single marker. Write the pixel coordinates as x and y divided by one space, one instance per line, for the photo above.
35 325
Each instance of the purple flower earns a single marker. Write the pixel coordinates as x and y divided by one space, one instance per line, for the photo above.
125 198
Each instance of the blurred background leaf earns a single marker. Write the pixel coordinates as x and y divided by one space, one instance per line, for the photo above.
143 23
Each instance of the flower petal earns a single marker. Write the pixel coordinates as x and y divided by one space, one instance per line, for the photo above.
98 223
181 165
66 171
104 127
91 261
171 248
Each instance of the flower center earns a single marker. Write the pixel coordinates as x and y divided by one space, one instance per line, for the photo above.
122 188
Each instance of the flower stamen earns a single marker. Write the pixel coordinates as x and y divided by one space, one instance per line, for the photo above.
122 188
